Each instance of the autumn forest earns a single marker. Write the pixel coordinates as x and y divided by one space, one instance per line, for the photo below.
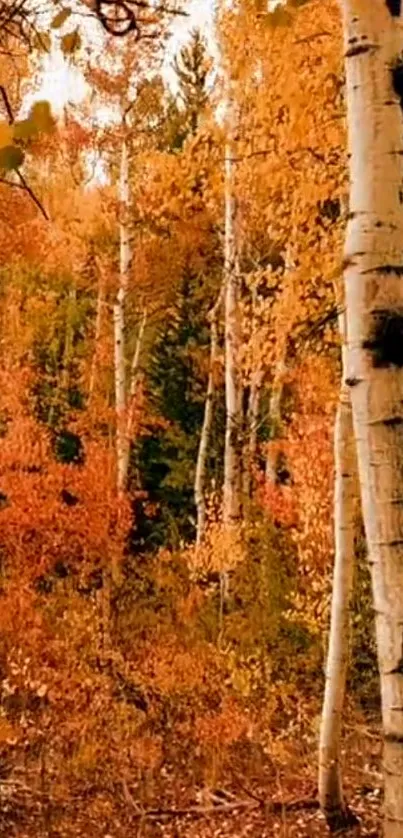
201 419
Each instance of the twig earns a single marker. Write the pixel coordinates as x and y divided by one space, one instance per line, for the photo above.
129 798
249 792
7 105
197 811
23 184
32 195
12 183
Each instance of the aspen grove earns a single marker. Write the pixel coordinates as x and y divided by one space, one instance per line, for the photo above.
201 414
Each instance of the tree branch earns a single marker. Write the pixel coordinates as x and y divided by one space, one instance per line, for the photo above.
32 195
275 807
23 184
7 105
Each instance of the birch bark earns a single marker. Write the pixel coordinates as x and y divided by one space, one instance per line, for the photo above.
130 406
205 436
374 305
232 455
119 318
98 331
331 797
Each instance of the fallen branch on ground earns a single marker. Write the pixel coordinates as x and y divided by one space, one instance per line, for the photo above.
276 807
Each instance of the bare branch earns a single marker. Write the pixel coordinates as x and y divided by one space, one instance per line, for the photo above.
25 187
32 195
6 103
122 17
270 807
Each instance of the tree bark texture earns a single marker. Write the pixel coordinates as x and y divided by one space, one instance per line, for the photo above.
374 370
233 398
205 436
345 503
119 320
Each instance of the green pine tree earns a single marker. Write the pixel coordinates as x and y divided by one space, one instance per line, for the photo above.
192 66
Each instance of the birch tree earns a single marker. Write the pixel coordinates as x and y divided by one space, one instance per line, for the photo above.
232 455
345 496
122 441
205 436
98 327
252 422
374 373
130 399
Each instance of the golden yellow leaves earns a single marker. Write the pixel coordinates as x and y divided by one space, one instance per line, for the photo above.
11 157
60 18
71 42
40 117
6 134
13 136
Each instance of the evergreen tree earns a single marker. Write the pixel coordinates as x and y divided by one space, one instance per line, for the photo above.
177 391
192 67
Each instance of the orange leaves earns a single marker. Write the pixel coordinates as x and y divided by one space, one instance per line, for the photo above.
55 511
221 549
291 133
307 503
221 729
147 751
279 500
171 666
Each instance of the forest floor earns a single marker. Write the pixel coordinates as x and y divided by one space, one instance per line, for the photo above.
260 814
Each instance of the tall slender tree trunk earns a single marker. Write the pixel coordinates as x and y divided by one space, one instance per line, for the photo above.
232 330
205 436
374 306
232 454
252 425
331 797
130 407
98 331
119 319
119 325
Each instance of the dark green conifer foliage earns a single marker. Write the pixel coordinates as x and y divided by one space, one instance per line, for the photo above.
192 66
177 392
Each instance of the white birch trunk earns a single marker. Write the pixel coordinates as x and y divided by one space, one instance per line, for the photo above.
97 336
205 436
331 797
119 320
232 455
374 306
134 378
